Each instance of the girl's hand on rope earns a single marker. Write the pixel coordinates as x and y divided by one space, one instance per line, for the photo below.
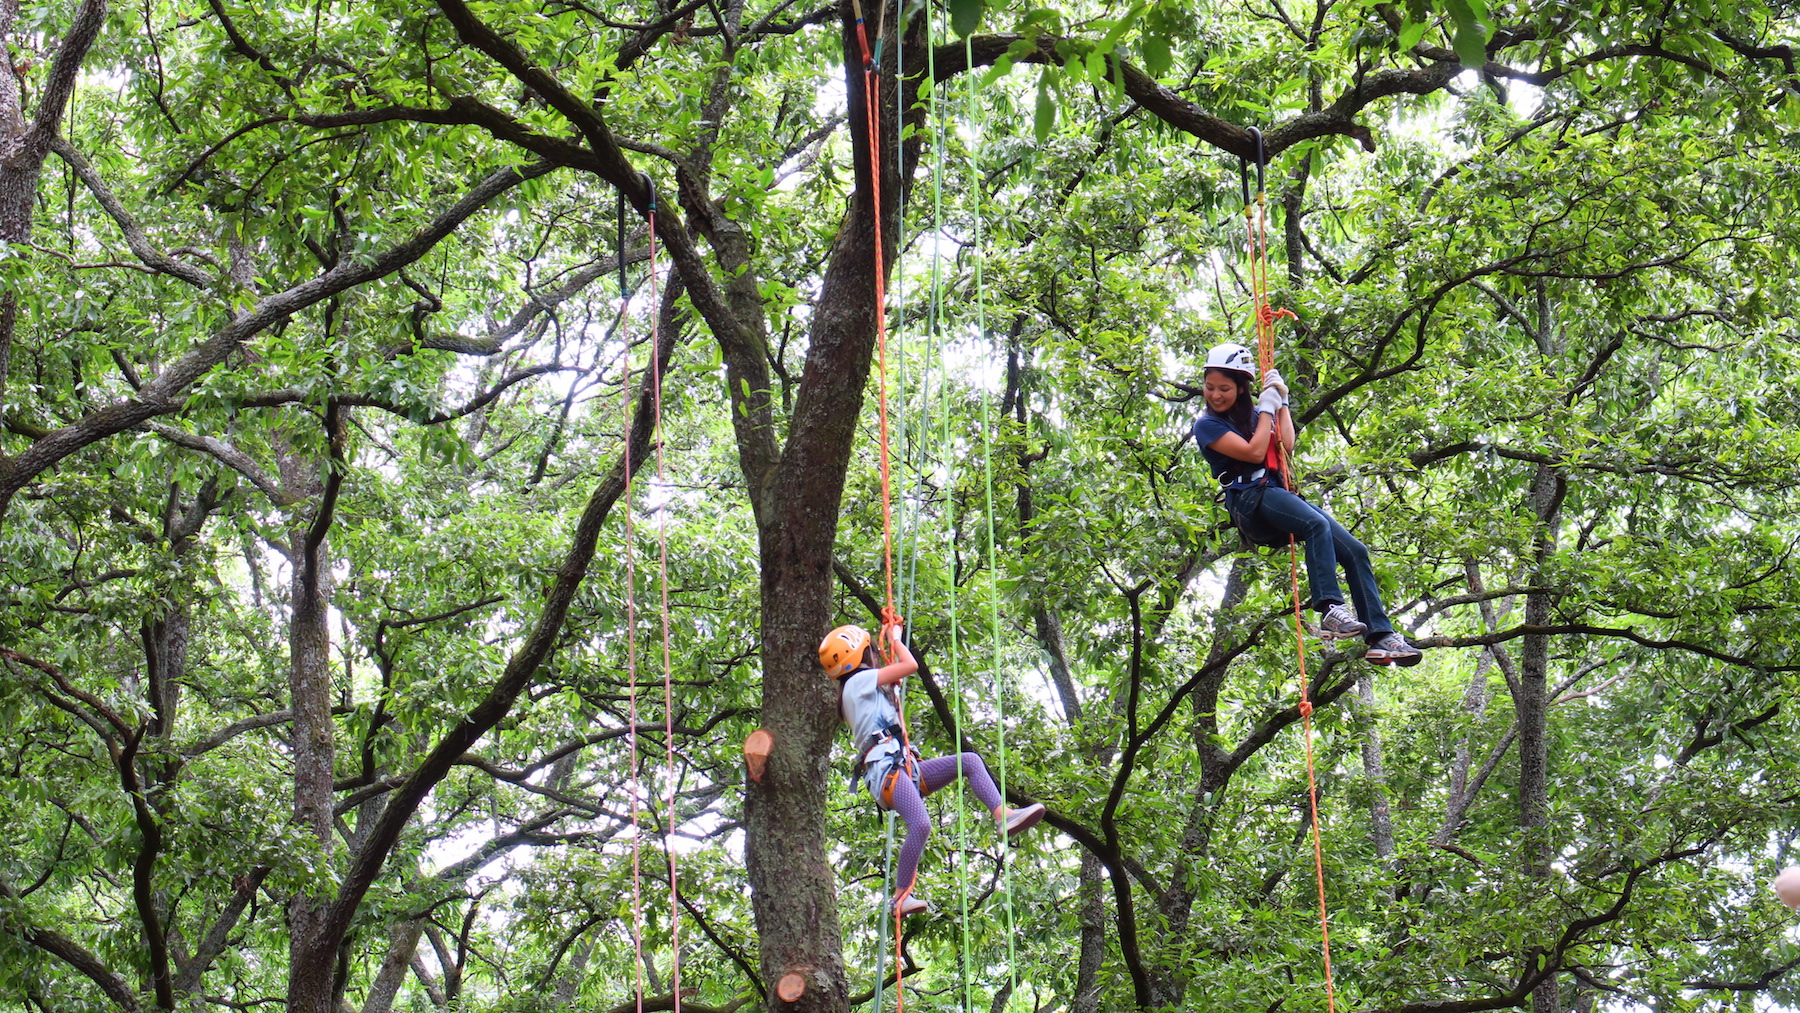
1272 381
900 661
1269 402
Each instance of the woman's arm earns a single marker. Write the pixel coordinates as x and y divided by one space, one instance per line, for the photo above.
1254 449
1286 423
903 664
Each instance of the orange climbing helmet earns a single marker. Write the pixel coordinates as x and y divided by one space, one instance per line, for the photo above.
1232 356
842 650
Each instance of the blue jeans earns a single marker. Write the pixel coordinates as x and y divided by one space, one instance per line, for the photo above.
1328 543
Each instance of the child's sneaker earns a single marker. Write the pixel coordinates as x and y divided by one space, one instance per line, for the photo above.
910 905
1017 821
1339 623
1392 649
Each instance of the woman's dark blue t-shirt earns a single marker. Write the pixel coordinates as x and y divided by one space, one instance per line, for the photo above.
1208 428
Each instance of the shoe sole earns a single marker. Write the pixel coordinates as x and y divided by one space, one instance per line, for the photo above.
1329 635
1025 824
1404 660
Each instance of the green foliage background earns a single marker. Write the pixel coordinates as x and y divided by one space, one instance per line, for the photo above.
1568 257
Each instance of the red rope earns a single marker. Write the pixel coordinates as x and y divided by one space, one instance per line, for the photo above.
1256 226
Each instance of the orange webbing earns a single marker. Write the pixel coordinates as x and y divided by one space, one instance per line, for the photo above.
1256 226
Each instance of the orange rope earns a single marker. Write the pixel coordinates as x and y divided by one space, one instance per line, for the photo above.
889 616
871 104
662 550
1256 226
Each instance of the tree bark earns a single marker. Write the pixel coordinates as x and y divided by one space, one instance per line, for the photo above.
793 883
1381 823
312 958
1532 707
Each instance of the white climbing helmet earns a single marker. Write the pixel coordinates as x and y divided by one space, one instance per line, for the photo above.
1232 356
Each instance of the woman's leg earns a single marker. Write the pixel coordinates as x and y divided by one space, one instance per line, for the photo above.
1360 573
1292 515
941 770
911 807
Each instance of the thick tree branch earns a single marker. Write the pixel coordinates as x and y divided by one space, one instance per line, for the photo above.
135 238
519 673
71 953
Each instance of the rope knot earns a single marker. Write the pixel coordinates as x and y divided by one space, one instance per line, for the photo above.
1266 315
1306 708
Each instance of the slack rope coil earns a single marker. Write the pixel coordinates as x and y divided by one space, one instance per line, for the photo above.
1257 240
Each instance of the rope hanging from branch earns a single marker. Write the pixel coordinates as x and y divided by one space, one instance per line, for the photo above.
670 772
1257 242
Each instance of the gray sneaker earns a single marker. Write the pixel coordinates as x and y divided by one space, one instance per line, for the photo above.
909 905
1392 649
1339 623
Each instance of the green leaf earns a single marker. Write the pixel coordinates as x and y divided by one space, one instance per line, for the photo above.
1471 34
1044 117
1411 32
1157 57
965 16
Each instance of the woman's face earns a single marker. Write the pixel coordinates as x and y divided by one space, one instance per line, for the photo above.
1220 390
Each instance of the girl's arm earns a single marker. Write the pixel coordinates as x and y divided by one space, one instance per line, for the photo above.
1286 421
903 664
1254 449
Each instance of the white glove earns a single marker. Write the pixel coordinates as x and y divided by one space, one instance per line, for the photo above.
1269 401
1272 380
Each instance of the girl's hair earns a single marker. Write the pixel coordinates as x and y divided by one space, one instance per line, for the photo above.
1242 413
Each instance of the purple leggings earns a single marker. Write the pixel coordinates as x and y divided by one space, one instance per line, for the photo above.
909 802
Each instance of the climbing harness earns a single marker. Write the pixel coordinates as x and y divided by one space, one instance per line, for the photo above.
1256 229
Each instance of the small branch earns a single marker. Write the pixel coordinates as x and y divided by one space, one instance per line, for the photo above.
135 238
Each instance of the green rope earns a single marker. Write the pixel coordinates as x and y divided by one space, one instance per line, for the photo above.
940 136
987 470
885 912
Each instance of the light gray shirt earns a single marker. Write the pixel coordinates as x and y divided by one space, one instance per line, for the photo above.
867 710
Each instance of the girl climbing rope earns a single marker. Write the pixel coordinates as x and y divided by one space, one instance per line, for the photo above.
869 702
1234 432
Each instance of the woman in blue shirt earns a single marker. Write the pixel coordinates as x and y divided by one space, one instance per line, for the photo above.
1233 433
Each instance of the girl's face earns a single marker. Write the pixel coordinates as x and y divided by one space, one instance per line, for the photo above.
1220 390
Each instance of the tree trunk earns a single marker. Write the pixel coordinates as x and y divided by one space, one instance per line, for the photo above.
793 883
312 955
1531 704
394 967
1381 823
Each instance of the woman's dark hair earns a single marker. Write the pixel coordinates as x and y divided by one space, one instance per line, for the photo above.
1243 413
